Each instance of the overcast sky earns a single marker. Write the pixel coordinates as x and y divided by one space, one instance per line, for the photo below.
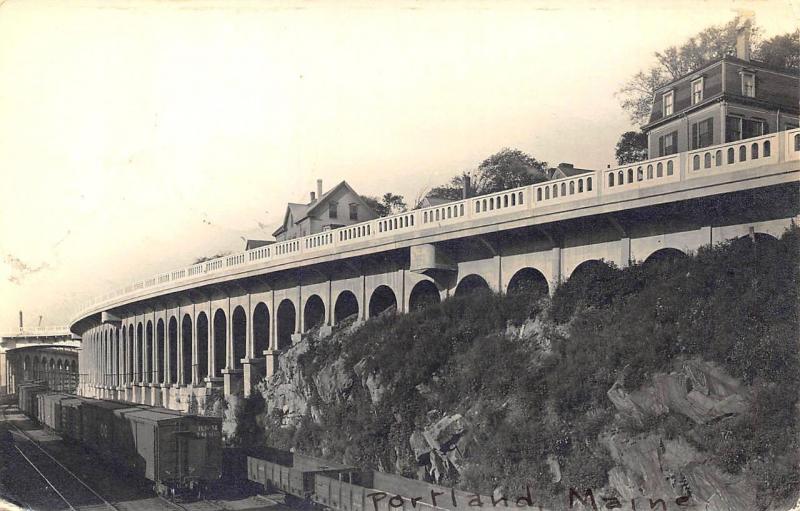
136 136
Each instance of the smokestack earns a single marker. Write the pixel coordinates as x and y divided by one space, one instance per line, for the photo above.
743 41
20 321
319 187
313 197
40 320
465 190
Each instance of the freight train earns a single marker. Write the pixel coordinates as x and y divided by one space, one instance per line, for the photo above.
181 454
313 481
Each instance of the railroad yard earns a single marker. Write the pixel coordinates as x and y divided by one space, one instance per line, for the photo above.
41 471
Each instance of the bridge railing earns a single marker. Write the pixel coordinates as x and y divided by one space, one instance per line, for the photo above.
728 157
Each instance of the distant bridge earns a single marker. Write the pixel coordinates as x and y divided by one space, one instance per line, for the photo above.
218 326
48 354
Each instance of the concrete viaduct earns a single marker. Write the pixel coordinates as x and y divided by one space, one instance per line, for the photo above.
216 328
48 354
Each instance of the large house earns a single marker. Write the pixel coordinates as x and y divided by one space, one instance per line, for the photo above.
338 207
729 99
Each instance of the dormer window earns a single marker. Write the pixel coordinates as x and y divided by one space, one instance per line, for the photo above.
333 209
697 91
668 102
353 211
748 84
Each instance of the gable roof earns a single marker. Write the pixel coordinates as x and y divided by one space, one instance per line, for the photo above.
301 211
327 195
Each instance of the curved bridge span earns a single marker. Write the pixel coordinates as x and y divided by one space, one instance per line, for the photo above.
217 327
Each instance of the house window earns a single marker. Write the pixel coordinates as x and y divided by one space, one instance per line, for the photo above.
703 133
333 209
753 128
668 100
668 144
749 85
733 128
353 211
697 91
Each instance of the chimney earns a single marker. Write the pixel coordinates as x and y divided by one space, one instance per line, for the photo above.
566 166
313 197
319 187
40 320
743 41
20 321
465 189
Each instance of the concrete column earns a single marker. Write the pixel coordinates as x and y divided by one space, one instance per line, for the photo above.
248 335
298 318
179 347
556 275
210 342
228 335
362 312
625 252
329 308
273 321
195 375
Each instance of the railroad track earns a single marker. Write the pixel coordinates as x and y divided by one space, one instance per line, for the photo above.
57 476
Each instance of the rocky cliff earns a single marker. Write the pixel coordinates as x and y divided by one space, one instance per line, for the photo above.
654 396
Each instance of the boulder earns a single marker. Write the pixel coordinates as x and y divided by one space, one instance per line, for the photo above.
443 435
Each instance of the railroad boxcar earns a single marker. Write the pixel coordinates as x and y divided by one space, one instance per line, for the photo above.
71 420
179 453
50 410
292 473
28 403
97 417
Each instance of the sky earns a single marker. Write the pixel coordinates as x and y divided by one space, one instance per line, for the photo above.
136 136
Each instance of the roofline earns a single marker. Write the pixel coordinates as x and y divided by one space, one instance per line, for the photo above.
728 58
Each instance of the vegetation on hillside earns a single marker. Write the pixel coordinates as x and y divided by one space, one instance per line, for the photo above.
533 398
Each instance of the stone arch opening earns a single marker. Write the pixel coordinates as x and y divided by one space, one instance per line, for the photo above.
260 329
186 345
313 313
123 375
286 322
35 368
74 366
172 335
148 352
587 267
26 367
220 340
202 346
239 333
472 284
346 307
529 281
382 301
161 372
423 294
664 256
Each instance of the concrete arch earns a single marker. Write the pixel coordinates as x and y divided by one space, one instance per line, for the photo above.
757 238
381 300
528 281
139 356
202 346
261 329
172 346
74 366
220 329
586 266
313 312
664 255
123 374
147 354
472 283
286 317
239 335
346 306
423 294
161 361
186 348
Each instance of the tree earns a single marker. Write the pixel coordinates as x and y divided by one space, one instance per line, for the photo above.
507 168
388 204
632 147
782 51
712 43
